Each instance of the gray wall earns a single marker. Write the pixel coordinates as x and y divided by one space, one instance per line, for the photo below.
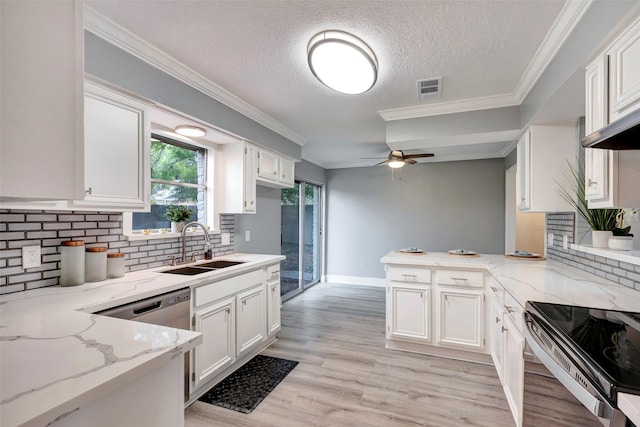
114 65
435 206
307 171
264 225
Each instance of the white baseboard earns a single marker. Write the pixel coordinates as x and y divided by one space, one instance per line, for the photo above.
355 280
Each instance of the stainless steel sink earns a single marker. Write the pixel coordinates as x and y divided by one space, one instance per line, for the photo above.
192 270
221 263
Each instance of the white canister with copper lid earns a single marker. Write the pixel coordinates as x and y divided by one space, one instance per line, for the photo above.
72 263
95 264
115 265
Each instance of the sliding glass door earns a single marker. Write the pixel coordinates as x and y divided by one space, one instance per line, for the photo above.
301 238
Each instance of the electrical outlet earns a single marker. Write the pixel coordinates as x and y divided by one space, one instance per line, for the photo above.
247 236
225 239
565 242
30 256
550 237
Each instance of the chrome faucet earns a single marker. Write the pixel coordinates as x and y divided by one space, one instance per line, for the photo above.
184 243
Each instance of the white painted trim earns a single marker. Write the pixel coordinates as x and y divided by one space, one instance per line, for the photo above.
632 256
564 24
569 16
355 280
131 43
458 106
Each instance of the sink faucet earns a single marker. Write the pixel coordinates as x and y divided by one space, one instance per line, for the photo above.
184 242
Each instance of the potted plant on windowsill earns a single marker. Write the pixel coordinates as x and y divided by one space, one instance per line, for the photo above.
177 215
601 221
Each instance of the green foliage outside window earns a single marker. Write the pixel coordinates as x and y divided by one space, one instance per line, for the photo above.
173 163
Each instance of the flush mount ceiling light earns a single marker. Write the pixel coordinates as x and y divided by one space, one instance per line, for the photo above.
188 130
342 62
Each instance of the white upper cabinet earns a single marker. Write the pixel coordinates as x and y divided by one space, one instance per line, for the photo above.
275 170
116 151
612 91
236 183
41 129
540 174
624 73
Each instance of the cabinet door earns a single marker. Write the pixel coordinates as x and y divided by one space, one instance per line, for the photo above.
116 155
523 173
268 165
251 318
286 176
497 341
596 95
250 159
408 313
217 351
273 304
460 314
41 127
513 380
624 78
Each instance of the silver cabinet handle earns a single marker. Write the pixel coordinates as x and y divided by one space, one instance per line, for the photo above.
89 191
509 309
504 329
407 276
590 182
464 279
494 289
497 319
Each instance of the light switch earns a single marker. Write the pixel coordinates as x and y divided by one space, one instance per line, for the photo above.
247 236
550 238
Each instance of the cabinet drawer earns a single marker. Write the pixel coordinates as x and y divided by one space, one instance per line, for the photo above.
514 310
409 274
273 273
459 278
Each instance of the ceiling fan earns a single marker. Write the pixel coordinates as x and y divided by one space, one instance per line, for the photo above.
397 158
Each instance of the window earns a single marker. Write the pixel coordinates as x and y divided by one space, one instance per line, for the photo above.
178 178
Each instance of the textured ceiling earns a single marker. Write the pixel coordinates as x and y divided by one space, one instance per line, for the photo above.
257 51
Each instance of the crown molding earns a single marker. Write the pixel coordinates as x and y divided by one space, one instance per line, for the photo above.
134 45
459 106
562 27
567 19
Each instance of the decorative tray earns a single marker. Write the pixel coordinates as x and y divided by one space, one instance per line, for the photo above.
525 255
463 252
414 251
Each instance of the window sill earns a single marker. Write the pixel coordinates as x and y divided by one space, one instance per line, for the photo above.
157 235
632 256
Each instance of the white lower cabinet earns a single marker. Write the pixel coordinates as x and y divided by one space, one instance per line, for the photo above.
237 320
217 351
513 369
497 341
460 318
251 318
409 312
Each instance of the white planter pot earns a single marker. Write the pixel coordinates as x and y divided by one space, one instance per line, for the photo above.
621 243
600 239
176 227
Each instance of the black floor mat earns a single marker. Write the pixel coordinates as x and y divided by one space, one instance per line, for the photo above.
243 390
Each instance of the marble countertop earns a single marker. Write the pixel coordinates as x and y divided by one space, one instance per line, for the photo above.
527 280
57 356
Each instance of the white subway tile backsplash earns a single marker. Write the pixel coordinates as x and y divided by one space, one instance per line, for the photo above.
48 229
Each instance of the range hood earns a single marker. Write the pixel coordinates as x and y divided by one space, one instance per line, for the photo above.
623 134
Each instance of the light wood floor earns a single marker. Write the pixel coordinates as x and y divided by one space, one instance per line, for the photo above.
346 376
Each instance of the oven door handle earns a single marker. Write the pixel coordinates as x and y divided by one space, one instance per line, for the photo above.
593 403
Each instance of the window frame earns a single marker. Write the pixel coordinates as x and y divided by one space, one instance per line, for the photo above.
212 218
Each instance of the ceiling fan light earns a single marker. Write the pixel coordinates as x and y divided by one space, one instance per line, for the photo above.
396 164
188 130
342 62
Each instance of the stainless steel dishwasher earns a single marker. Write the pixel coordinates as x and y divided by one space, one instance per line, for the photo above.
170 309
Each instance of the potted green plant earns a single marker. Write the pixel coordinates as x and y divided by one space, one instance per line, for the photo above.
601 221
177 215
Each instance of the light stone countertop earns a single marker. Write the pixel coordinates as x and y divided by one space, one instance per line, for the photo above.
56 356
544 281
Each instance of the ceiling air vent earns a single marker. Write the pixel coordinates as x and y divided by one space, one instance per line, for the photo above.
429 88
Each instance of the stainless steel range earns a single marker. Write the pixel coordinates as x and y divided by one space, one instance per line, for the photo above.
594 353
